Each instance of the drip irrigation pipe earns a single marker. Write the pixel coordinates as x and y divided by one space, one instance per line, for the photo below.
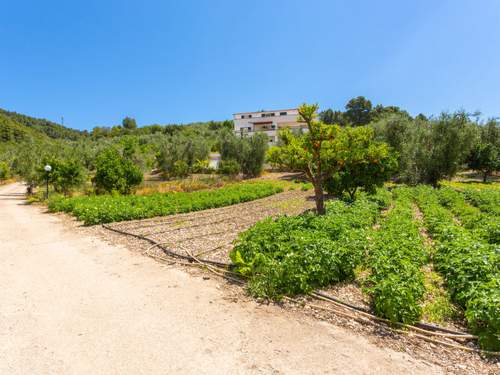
459 335
419 326
366 317
163 248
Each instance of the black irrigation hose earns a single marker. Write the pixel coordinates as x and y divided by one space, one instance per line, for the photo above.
164 249
418 325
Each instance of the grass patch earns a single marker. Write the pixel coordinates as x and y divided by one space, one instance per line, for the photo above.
437 306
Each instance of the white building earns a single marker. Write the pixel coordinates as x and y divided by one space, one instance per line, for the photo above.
269 122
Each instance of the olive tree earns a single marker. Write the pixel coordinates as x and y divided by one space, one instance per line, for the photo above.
484 158
65 176
178 154
248 152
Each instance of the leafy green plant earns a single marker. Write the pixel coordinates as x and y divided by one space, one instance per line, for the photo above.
487 200
109 208
294 255
229 167
115 173
366 165
482 225
66 174
4 171
248 152
396 256
469 266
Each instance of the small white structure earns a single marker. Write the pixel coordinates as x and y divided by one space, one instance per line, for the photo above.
214 160
269 122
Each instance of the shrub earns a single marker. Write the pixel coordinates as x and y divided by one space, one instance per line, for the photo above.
181 169
273 157
181 148
229 167
66 174
4 171
202 166
115 173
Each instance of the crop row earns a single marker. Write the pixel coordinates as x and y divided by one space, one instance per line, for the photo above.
294 255
395 259
470 267
110 208
482 224
485 200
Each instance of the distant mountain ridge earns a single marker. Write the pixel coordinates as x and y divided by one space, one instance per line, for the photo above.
17 127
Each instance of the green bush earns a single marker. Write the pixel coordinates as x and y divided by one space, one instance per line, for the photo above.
115 173
366 166
66 174
181 150
4 171
229 167
109 208
181 169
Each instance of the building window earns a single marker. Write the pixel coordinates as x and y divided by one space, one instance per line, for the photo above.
242 116
283 113
249 116
267 114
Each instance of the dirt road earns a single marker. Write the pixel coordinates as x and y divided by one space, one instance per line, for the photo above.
72 304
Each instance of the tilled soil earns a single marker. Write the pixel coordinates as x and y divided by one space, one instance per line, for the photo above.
210 234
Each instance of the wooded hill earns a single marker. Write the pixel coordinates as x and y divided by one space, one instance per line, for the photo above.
18 127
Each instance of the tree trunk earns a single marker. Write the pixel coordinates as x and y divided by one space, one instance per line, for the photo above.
318 196
485 177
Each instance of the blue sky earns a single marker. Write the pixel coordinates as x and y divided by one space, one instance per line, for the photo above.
95 62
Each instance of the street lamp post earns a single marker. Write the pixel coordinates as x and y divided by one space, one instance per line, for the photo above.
48 169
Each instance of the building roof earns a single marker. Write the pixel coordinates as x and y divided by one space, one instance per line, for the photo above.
270 110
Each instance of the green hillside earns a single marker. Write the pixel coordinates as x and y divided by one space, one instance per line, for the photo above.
23 125
12 131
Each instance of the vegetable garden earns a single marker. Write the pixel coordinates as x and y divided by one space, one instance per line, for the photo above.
381 236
